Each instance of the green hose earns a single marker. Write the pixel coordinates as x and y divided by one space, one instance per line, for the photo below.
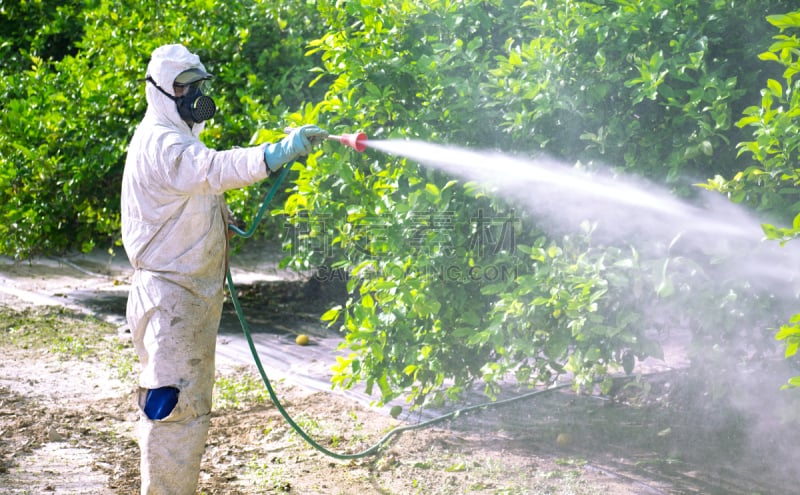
273 396
260 214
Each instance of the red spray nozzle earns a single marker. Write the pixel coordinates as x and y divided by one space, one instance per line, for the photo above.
357 141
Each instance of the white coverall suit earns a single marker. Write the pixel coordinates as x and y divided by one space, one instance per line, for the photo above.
174 229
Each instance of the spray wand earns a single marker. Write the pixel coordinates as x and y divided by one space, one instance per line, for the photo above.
357 140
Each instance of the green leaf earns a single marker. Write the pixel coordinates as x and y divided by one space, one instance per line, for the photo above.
768 56
493 289
787 331
332 314
665 289
367 301
457 467
794 382
785 21
775 87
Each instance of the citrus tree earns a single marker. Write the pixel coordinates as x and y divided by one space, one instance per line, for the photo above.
770 184
651 87
72 93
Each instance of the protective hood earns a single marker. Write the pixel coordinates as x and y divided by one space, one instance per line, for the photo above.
166 62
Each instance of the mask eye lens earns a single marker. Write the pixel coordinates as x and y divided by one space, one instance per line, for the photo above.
185 89
198 86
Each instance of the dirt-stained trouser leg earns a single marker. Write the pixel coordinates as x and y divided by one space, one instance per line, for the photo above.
171 454
174 331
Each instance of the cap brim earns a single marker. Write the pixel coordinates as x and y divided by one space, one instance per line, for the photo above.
191 76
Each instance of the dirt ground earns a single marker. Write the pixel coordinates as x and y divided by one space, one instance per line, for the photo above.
68 420
67 426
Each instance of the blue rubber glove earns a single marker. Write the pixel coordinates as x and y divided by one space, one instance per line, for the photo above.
298 143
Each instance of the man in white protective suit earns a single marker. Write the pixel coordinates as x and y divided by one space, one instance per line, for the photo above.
174 229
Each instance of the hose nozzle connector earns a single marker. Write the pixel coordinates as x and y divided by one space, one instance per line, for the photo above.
357 141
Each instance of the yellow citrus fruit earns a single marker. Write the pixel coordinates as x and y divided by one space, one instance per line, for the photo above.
563 439
301 339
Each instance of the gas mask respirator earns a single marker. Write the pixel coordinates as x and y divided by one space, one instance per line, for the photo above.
193 105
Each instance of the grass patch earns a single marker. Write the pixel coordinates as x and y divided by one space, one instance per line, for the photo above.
271 475
239 391
57 330
67 334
